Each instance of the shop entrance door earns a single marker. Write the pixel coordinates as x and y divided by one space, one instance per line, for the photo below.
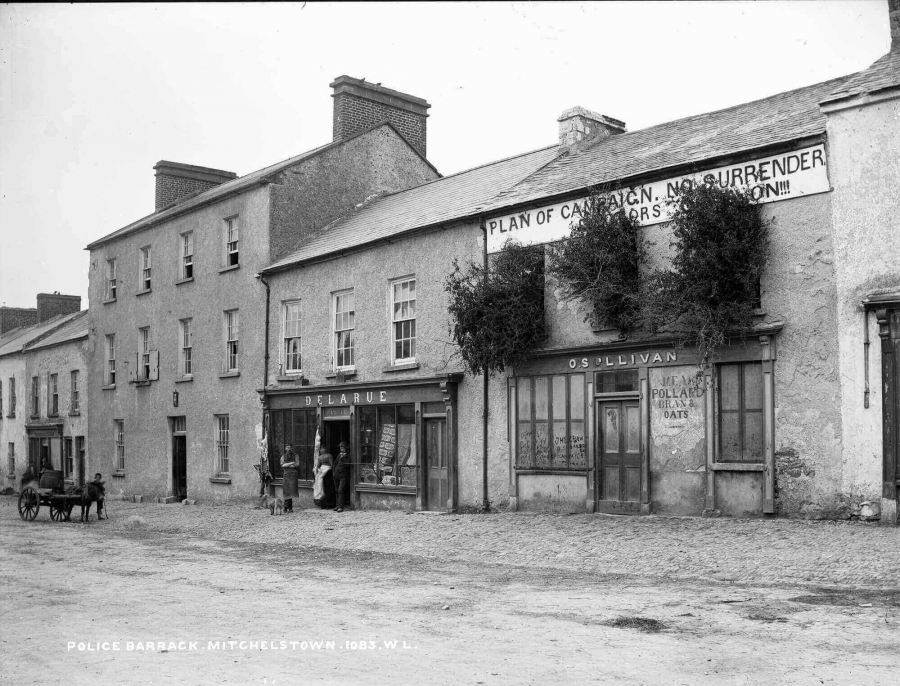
619 456
179 466
437 474
335 432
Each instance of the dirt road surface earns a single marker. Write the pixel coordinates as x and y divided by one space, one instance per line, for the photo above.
230 594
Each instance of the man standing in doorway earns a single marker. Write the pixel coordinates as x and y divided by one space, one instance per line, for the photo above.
341 471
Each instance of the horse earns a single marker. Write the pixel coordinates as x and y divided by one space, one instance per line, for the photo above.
91 493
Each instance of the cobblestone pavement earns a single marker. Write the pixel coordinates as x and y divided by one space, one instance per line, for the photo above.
443 599
776 551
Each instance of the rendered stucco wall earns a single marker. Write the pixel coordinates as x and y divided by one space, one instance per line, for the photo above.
864 159
429 257
798 288
677 445
61 360
12 429
146 409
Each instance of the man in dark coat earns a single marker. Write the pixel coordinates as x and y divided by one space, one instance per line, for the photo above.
341 472
100 489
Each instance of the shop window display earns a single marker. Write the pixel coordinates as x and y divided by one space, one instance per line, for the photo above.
550 432
296 428
387 443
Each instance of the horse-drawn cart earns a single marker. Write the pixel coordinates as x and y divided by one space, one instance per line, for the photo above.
50 492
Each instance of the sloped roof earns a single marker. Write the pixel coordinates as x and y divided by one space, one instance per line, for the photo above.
884 73
74 329
776 119
435 202
242 183
17 339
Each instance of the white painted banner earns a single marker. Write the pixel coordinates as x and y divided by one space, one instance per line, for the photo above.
785 176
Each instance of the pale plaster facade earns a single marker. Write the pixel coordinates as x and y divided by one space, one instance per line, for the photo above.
24 358
275 212
67 430
427 257
864 156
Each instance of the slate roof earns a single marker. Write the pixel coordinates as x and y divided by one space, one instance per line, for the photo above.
16 340
884 73
242 183
776 119
433 203
74 329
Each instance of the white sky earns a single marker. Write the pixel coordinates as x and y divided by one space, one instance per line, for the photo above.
92 96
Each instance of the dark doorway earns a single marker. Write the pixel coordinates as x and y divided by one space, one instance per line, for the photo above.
335 432
45 452
34 454
79 460
179 466
619 454
889 329
437 474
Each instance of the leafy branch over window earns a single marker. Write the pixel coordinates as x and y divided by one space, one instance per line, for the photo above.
600 263
496 317
721 244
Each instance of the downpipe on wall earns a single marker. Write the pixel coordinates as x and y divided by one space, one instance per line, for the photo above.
485 500
266 355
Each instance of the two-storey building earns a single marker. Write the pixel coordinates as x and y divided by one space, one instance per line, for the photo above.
593 421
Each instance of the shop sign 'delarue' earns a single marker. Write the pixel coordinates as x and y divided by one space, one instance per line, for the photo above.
780 177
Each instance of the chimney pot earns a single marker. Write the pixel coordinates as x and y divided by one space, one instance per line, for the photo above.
577 126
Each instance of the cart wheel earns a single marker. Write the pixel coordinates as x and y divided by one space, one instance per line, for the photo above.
57 509
29 503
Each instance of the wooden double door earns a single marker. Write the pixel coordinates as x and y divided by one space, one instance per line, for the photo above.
619 456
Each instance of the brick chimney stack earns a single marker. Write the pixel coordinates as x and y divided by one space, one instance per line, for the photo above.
359 104
175 180
894 22
15 317
50 305
577 126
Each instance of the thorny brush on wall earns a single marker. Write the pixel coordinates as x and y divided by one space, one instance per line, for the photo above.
497 314
721 245
600 264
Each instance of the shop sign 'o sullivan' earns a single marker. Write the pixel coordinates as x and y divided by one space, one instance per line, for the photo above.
781 177
624 360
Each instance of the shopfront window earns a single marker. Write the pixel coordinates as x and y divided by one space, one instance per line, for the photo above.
550 422
387 440
740 400
296 428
